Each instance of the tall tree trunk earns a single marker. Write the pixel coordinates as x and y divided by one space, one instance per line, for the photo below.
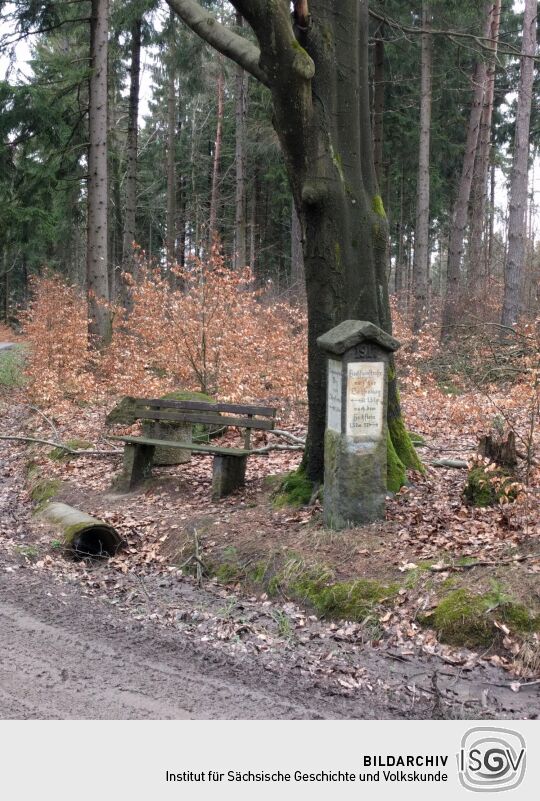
240 228
513 267
130 208
459 223
345 250
421 242
297 253
170 244
97 236
214 194
378 102
317 72
5 280
477 262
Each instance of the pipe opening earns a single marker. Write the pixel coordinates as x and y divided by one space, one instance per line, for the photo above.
95 541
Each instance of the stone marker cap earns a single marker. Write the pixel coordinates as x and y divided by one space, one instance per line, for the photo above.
355 332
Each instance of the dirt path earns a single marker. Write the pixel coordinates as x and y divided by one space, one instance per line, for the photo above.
81 643
62 659
65 656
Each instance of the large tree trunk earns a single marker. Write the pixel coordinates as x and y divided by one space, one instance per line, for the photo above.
297 254
477 261
170 244
130 209
240 228
459 223
331 171
97 237
317 72
378 101
421 242
513 268
214 192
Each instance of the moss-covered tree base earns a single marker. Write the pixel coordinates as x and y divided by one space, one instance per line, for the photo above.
294 490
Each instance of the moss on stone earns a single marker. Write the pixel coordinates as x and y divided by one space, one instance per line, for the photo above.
378 206
462 618
296 489
123 413
43 489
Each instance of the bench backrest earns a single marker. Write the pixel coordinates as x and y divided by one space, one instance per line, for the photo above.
222 414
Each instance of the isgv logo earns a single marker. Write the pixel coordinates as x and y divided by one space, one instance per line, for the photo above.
491 760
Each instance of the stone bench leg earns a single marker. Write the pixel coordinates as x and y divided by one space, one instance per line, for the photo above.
137 466
229 473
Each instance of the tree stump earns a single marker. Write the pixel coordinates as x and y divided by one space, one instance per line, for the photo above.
499 450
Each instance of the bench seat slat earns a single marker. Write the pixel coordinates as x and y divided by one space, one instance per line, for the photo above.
231 408
184 446
187 416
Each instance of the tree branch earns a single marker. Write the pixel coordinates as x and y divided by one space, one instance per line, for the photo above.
484 43
66 448
230 44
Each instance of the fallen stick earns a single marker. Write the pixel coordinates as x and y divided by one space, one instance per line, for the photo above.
480 563
459 464
280 433
269 448
71 451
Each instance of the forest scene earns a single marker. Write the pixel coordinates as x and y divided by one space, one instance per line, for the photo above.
270 358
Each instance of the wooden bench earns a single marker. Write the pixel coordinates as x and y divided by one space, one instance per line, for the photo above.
229 467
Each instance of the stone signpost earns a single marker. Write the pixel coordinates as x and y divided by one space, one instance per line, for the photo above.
355 444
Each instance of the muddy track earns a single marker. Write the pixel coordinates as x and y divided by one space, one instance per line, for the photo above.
66 654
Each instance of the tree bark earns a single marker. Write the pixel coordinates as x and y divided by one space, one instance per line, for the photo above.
297 254
459 223
97 232
130 209
421 242
240 228
170 243
513 268
214 195
378 102
477 261
317 72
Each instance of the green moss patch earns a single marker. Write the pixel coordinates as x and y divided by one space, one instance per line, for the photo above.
396 473
489 487
462 618
12 367
43 489
346 600
295 490
378 206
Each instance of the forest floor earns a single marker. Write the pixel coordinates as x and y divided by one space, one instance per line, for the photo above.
243 633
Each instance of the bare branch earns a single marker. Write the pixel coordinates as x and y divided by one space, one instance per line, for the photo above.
232 45
485 43
66 448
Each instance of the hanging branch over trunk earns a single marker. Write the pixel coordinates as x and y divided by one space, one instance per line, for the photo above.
231 44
